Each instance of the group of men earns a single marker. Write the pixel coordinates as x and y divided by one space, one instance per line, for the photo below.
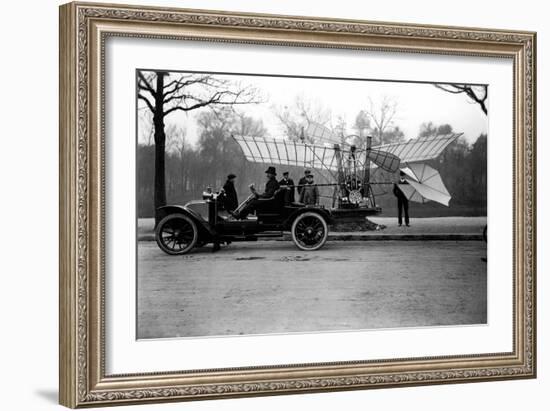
308 192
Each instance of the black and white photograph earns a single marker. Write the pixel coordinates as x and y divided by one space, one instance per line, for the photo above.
273 204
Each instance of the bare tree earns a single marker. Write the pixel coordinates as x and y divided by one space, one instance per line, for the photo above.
393 135
176 143
382 116
341 130
218 151
478 94
298 116
428 129
146 129
362 124
248 126
362 129
175 138
164 93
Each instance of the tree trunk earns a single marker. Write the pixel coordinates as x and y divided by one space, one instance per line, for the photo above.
160 179
160 147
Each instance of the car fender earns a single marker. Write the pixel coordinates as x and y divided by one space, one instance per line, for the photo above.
204 228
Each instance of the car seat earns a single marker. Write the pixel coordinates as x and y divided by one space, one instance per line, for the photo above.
273 205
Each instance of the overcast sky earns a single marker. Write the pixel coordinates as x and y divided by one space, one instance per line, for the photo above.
416 104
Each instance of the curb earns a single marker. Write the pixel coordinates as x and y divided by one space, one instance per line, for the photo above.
369 237
406 237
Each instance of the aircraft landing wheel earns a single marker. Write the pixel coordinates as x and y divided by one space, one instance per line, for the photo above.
309 231
176 234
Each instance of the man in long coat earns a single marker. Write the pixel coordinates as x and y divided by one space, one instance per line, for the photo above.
270 187
303 181
289 183
231 201
402 201
310 192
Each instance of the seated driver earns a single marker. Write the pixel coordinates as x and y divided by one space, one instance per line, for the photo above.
270 187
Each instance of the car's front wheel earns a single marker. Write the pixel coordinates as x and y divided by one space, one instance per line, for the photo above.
309 231
176 234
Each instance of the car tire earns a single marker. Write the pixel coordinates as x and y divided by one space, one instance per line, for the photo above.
176 234
309 231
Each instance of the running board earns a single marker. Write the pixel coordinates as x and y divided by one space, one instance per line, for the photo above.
252 237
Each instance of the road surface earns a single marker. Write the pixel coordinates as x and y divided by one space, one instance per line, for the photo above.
272 287
419 226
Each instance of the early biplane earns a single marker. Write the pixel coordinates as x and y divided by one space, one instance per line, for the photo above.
355 175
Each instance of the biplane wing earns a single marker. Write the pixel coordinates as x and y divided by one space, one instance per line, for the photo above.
302 154
286 152
419 149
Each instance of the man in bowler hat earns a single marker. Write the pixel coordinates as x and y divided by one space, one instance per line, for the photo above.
303 181
402 201
310 192
286 181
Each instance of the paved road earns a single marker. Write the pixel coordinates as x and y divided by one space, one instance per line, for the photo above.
419 226
272 287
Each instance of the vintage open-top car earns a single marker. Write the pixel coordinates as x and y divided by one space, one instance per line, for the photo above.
201 222
353 173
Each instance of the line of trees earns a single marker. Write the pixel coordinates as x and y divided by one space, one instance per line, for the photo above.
377 119
190 169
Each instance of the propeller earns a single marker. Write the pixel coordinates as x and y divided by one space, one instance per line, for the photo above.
383 159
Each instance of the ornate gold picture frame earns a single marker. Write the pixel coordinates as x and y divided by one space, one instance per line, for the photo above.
84 28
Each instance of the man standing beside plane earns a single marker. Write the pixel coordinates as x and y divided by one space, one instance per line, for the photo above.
402 200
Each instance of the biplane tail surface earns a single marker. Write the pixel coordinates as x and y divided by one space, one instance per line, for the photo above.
413 151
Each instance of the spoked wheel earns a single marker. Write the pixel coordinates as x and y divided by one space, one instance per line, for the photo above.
309 231
176 234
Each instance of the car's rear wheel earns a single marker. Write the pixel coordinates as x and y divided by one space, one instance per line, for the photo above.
309 231
176 234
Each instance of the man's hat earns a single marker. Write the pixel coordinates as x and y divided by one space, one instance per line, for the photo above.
307 171
285 173
310 175
230 176
402 174
271 170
